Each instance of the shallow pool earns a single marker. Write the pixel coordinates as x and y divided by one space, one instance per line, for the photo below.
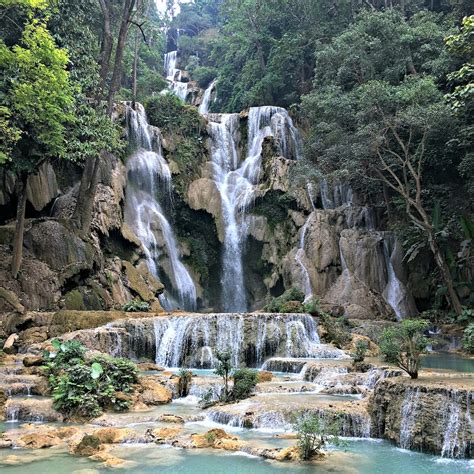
445 360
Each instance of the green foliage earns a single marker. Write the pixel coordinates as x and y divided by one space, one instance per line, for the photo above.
468 339
184 379
136 306
313 434
223 369
245 381
204 75
84 388
337 329
404 343
361 349
37 97
291 301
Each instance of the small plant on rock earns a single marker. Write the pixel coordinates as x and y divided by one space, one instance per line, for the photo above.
313 434
468 339
245 381
360 351
404 344
291 301
224 369
184 381
136 306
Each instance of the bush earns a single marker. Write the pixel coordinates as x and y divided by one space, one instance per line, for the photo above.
85 388
468 339
291 301
136 306
337 329
245 381
312 434
204 75
404 344
184 380
360 350
223 369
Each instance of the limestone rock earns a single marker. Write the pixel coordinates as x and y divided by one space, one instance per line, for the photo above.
42 187
153 392
136 282
12 299
38 440
87 446
8 347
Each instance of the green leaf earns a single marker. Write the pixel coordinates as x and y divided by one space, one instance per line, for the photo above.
96 370
56 344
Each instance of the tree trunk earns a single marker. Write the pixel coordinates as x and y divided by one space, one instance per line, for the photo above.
106 49
82 216
20 226
445 273
134 73
122 37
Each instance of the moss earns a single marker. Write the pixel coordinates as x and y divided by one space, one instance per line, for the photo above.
274 206
74 301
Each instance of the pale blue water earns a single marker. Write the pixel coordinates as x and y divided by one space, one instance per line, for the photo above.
447 361
361 457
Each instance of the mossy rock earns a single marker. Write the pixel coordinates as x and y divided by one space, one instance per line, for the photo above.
74 300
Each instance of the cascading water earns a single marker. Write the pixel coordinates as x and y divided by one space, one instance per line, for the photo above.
395 292
174 76
206 99
192 341
339 194
148 177
236 183
408 417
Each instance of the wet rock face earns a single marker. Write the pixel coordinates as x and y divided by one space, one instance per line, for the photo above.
191 340
425 416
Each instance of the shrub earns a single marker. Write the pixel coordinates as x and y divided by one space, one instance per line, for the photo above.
361 349
313 306
223 369
85 388
184 380
136 306
312 434
291 301
245 381
204 75
468 339
404 344
337 329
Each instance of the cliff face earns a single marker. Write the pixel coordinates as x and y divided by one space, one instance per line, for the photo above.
424 415
320 240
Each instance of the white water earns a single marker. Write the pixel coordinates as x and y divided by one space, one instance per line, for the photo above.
193 341
237 183
149 175
300 257
408 417
173 75
206 99
456 437
395 292
337 195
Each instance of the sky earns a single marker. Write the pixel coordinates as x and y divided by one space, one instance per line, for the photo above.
161 4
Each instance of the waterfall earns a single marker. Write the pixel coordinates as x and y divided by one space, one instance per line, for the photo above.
236 182
192 341
408 417
340 195
395 292
299 258
174 75
149 176
206 99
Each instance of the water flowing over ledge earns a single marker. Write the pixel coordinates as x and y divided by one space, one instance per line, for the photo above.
191 340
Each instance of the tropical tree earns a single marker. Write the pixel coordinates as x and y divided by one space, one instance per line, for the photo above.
403 345
38 98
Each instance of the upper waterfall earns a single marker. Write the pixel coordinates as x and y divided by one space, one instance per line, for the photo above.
206 99
149 181
236 181
174 75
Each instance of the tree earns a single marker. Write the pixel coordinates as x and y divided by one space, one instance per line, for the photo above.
403 345
312 434
378 119
38 105
223 369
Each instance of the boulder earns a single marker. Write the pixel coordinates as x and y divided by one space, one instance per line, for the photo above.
114 435
153 392
11 299
87 445
33 361
42 187
9 346
38 440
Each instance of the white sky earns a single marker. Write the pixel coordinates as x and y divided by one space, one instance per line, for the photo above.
161 4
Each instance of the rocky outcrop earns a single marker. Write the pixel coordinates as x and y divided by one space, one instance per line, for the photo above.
425 415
